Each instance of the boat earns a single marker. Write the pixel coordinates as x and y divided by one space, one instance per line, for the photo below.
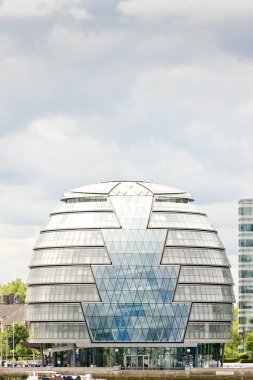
52 375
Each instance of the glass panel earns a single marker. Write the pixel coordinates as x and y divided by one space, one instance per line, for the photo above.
195 256
133 212
179 220
62 293
204 293
69 238
209 330
194 239
61 256
212 312
71 274
55 312
82 220
51 331
194 275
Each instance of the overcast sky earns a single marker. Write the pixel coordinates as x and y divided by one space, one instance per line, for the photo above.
96 90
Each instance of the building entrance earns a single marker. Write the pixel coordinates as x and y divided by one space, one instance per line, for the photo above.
137 361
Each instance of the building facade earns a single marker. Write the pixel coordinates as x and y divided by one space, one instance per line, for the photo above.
134 273
245 217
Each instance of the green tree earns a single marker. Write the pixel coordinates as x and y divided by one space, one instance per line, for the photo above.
21 334
16 287
231 349
248 343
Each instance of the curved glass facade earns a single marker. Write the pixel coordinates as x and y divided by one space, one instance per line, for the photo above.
129 263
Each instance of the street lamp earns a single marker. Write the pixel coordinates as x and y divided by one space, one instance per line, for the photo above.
2 329
116 351
188 355
49 354
13 343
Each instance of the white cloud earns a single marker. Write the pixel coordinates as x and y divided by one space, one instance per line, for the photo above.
29 8
23 9
80 14
189 11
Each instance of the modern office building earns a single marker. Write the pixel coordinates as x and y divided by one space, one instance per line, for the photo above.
130 272
245 267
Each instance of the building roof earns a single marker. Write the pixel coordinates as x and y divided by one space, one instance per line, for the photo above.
13 313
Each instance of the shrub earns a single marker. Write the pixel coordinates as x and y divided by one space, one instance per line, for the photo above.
230 360
246 360
243 355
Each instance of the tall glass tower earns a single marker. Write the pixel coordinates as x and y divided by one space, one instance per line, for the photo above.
132 268
245 266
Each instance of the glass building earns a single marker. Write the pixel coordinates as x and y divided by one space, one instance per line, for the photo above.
133 273
245 267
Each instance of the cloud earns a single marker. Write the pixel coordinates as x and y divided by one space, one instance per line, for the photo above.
189 11
42 8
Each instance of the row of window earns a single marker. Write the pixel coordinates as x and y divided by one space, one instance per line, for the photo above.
245 258
194 239
83 206
208 275
246 210
245 289
246 273
176 207
245 242
65 256
70 238
68 274
195 256
208 331
54 331
55 312
212 312
246 227
245 305
204 293
82 220
179 220
62 293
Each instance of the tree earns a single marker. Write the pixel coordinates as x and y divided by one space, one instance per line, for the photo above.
231 349
16 287
249 341
21 334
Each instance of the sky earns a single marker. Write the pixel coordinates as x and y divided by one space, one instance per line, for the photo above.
100 90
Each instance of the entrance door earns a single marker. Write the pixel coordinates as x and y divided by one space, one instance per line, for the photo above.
134 361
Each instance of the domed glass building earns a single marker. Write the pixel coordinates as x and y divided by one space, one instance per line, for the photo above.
133 273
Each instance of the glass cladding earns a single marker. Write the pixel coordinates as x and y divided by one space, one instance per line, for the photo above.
136 283
212 312
83 206
195 256
193 239
177 207
192 274
63 256
62 293
82 220
135 247
51 331
179 220
137 322
55 312
69 238
247 210
202 293
129 262
246 227
133 211
71 274
217 331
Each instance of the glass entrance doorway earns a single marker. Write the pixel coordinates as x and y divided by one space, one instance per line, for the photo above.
137 361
